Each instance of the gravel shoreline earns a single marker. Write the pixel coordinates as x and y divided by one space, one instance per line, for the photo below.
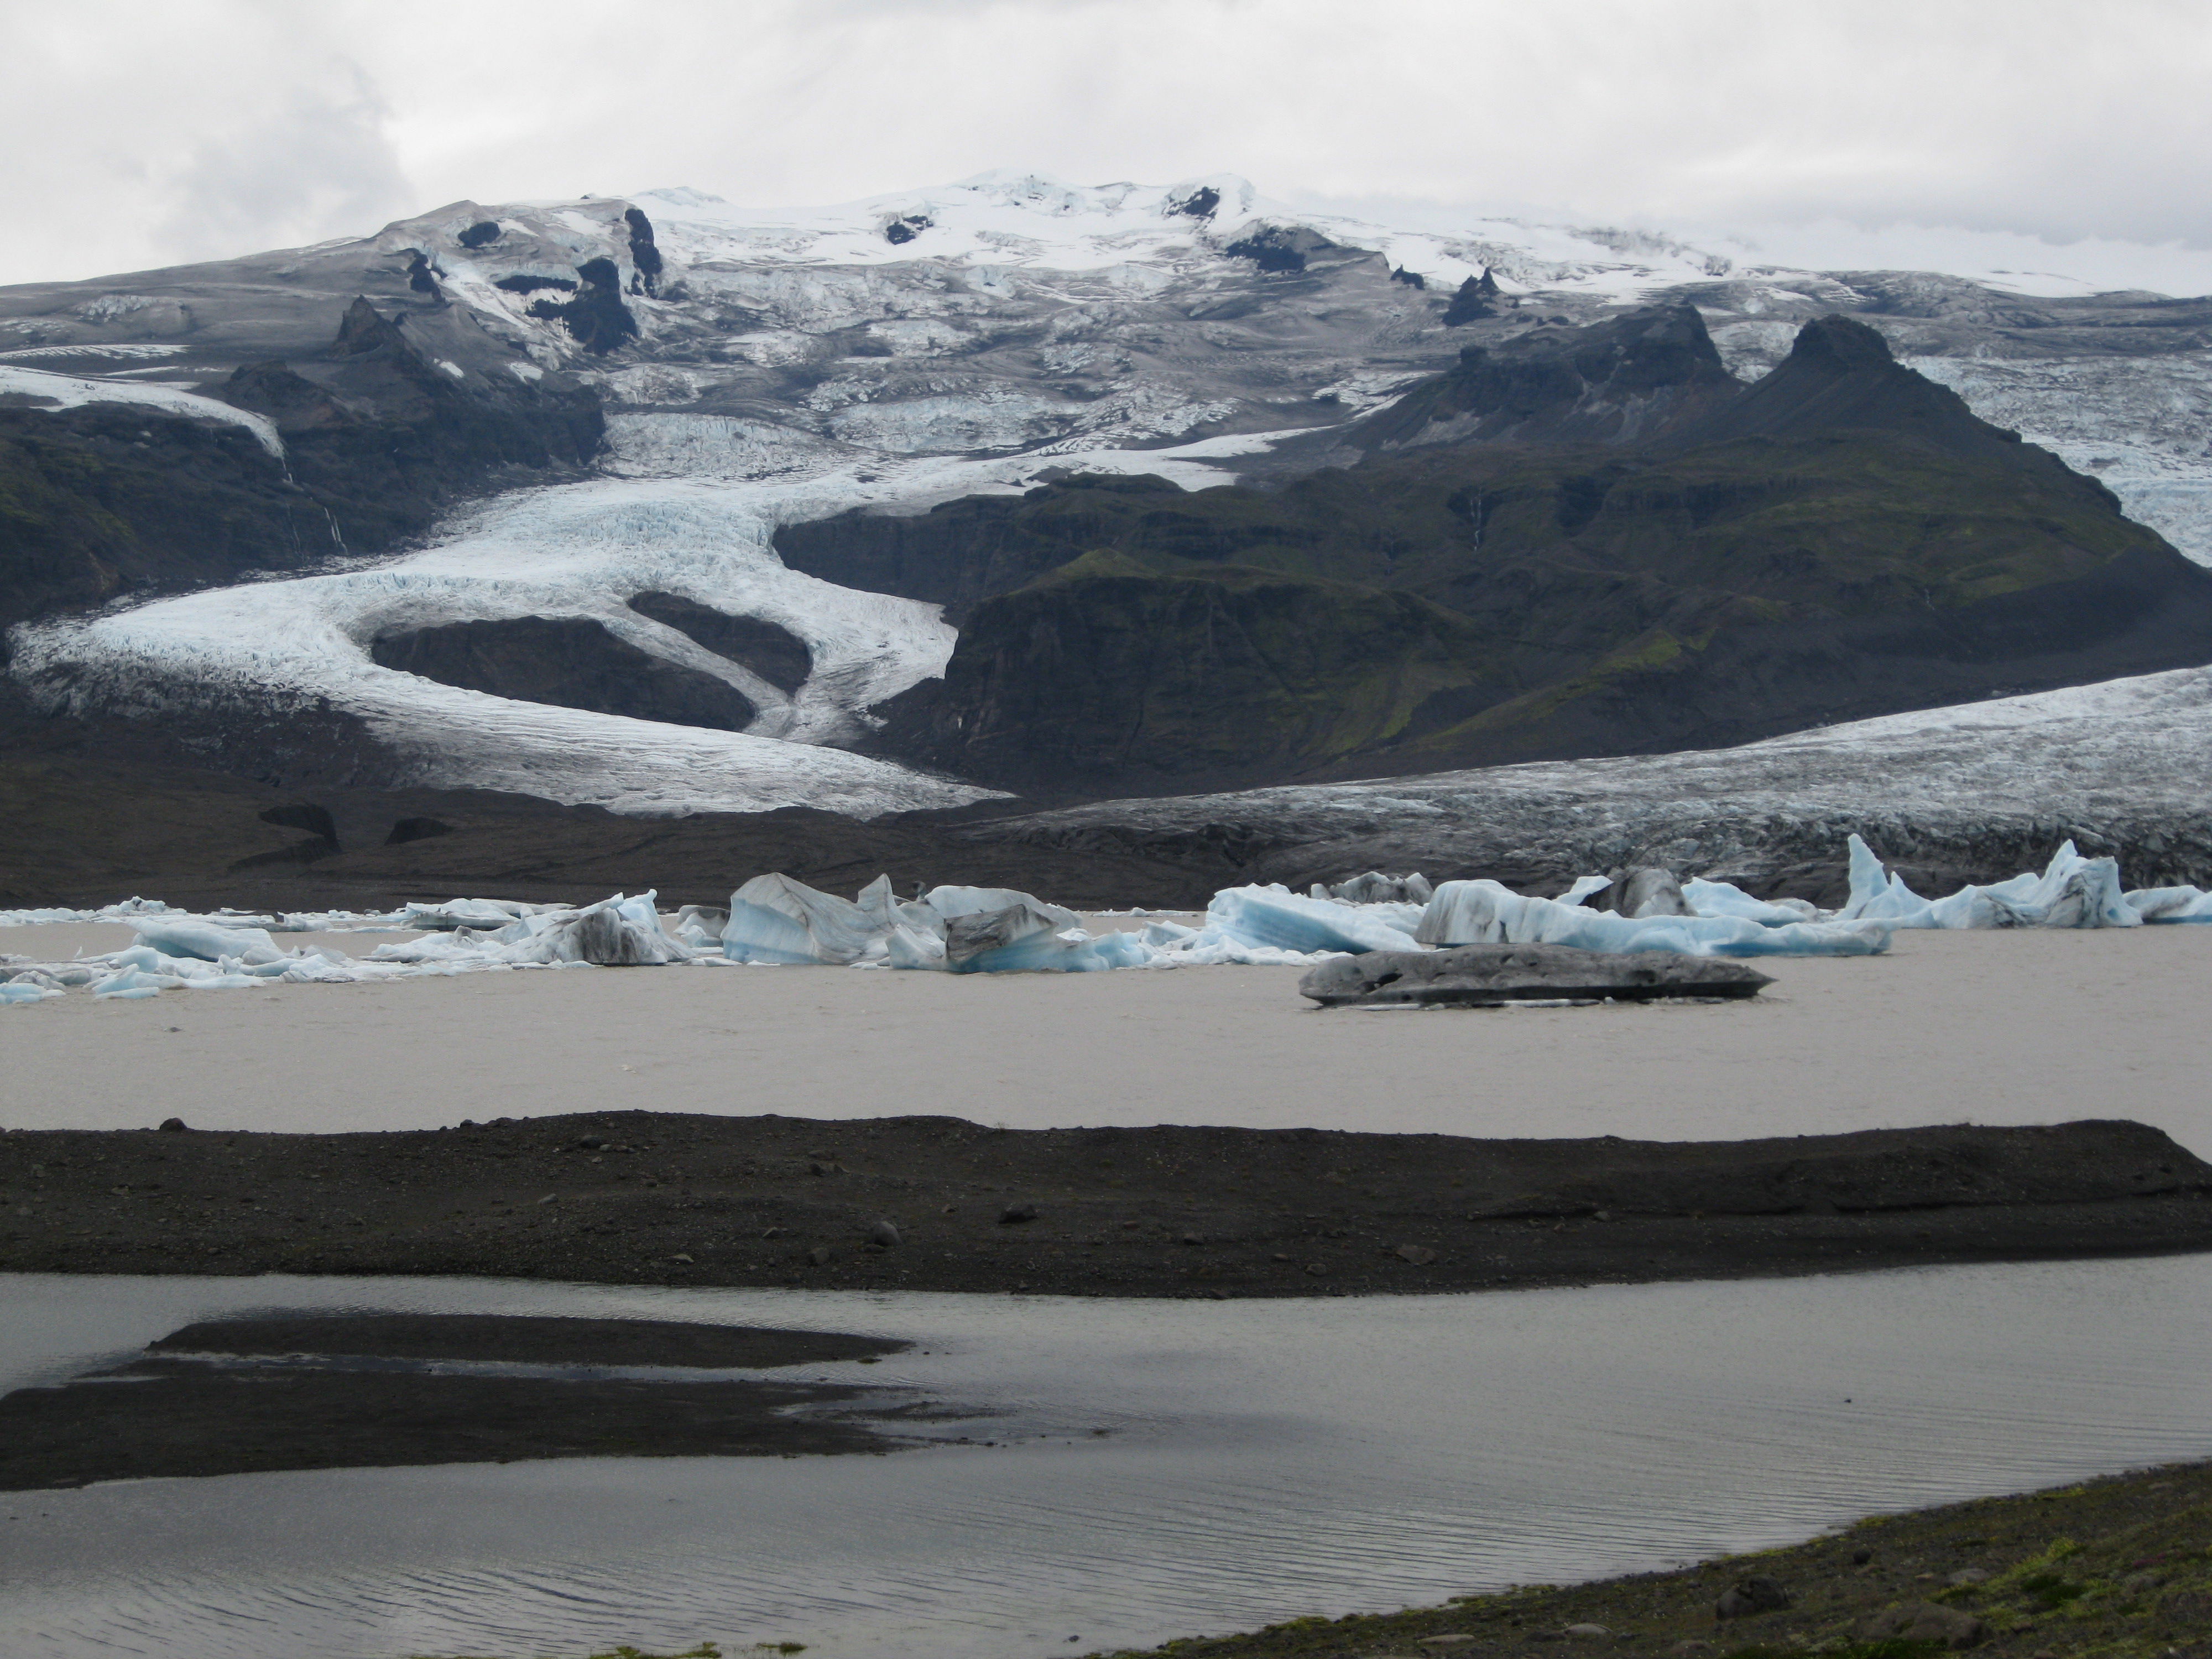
2120 1566
940 1204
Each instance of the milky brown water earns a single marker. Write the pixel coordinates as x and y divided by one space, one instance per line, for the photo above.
2021 1027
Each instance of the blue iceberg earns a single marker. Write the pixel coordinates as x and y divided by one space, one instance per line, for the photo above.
2073 892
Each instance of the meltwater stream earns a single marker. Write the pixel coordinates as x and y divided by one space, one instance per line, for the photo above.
1259 1459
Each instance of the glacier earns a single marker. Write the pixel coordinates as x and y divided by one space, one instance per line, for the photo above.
2114 767
896 352
572 551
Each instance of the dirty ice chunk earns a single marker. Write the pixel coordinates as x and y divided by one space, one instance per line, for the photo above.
952 902
1023 938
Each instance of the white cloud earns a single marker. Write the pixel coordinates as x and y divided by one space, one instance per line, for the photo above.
194 126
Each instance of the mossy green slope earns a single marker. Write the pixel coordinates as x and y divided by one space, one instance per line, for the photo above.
1756 569
1104 665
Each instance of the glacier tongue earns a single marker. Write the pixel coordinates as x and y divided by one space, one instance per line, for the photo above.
576 551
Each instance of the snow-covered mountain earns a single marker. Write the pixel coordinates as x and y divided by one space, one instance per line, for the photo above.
758 367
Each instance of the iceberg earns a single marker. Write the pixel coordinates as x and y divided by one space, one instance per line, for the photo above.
949 903
1275 916
1025 938
136 982
197 937
773 918
699 925
2073 892
1643 891
912 947
2166 904
615 932
128 909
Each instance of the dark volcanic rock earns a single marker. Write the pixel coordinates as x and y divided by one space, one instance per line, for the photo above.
385 439
417 829
175 1418
523 1339
1490 975
108 500
1622 381
962 552
1475 299
597 316
1751 1596
1279 249
770 1200
774 653
644 254
306 815
569 662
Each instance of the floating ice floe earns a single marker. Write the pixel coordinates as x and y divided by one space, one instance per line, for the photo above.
1026 938
2164 904
1278 917
304 921
129 911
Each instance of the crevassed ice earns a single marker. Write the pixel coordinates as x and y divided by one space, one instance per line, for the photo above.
581 552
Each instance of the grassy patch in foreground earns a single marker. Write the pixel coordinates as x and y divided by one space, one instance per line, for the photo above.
2112 1569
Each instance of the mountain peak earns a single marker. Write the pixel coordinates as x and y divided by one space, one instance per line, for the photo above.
1839 376
1841 344
1620 381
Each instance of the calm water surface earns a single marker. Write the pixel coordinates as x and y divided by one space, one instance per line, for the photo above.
1260 1459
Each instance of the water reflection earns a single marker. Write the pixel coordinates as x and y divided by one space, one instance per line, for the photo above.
1258 1459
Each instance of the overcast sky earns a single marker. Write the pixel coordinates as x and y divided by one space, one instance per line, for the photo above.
142 132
